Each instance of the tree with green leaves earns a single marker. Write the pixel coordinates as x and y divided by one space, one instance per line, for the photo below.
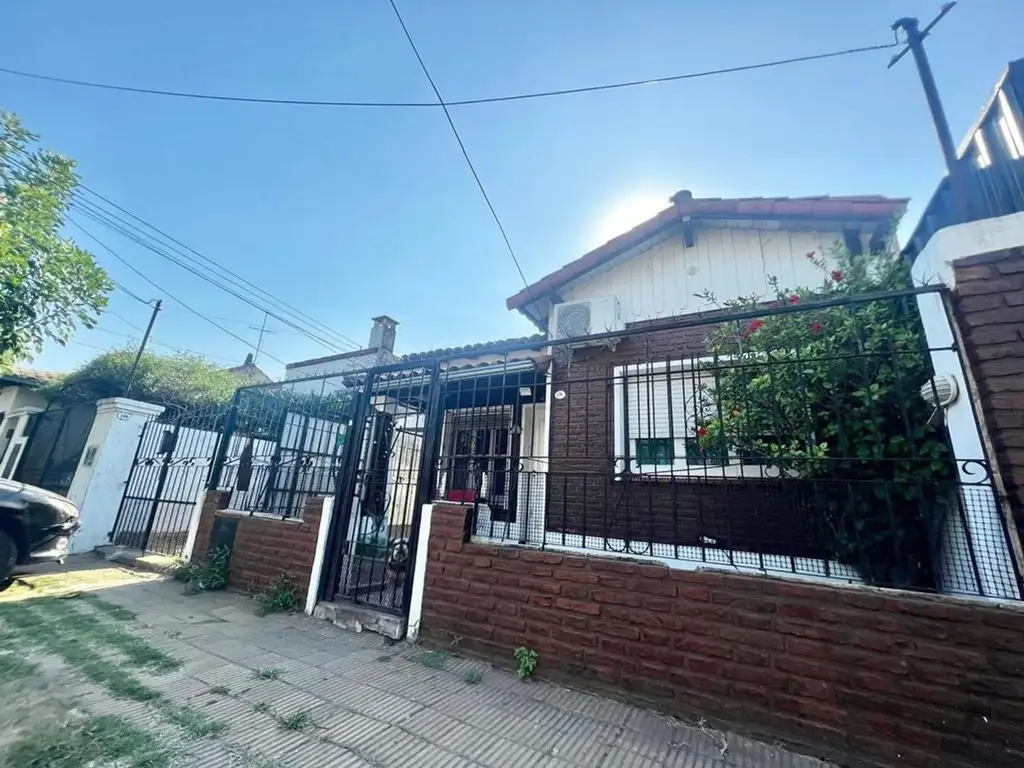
48 285
182 381
830 397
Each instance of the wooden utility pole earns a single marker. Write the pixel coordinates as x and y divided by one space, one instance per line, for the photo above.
142 346
915 45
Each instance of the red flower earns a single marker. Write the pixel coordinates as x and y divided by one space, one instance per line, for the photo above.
816 326
753 328
702 432
837 275
810 254
794 299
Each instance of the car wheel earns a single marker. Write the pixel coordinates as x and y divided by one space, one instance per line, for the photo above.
8 555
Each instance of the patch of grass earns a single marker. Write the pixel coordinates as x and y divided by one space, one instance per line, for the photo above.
219 690
269 673
14 667
173 634
386 657
106 740
93 628
192 721
431 659
261 707
280 596
250 758
473 676
51 634
113 610
296 721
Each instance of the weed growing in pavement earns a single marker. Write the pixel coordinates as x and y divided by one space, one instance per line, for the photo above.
219 690
386 657
527 661
105 740
473 676
280 596
210 575
261 707
431 659
269 673
296 721
192 721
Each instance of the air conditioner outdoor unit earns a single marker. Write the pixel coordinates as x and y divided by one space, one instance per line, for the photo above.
576 320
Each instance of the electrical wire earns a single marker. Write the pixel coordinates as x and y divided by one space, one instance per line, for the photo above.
167 293
321 327
462 146
325 336
118 225
460 102
125 291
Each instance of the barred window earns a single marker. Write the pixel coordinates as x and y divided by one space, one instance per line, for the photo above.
661 409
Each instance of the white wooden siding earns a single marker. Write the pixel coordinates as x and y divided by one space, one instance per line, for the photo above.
663 280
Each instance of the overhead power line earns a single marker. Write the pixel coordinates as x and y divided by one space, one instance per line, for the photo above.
119 225
184 255
457 103
462 146
326 330
164 291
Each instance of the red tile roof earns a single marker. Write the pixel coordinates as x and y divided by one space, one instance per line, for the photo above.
864 208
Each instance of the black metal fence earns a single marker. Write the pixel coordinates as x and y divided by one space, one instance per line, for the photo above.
56 440
807 438
168 478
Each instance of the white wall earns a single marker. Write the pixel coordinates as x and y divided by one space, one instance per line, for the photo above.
104 467
982 521
333 367
663 278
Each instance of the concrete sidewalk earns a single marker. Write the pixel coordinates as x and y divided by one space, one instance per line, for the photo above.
296 691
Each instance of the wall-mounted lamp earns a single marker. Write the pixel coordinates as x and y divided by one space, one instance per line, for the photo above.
526 391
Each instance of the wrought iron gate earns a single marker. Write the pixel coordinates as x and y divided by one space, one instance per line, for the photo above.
54 447
168 476
385 471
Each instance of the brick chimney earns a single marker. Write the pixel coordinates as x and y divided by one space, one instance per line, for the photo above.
382 335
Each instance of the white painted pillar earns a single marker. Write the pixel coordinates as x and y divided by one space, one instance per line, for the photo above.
319 555
105 465
419 575
983 521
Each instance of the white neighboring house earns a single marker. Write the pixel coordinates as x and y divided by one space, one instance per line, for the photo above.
380 351
19 399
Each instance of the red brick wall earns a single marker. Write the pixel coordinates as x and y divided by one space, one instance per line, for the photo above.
867 676
990 308
264 546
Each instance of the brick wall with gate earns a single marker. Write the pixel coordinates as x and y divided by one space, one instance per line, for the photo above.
989 300
262 546
867 676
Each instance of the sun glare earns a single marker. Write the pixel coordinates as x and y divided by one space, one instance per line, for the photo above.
626 213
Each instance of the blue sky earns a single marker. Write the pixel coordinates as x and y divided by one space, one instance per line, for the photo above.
353 213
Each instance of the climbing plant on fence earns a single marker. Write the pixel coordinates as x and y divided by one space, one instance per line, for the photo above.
831 397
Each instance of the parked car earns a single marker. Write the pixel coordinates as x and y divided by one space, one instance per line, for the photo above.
35 525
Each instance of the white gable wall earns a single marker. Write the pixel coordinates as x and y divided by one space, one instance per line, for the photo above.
663 278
